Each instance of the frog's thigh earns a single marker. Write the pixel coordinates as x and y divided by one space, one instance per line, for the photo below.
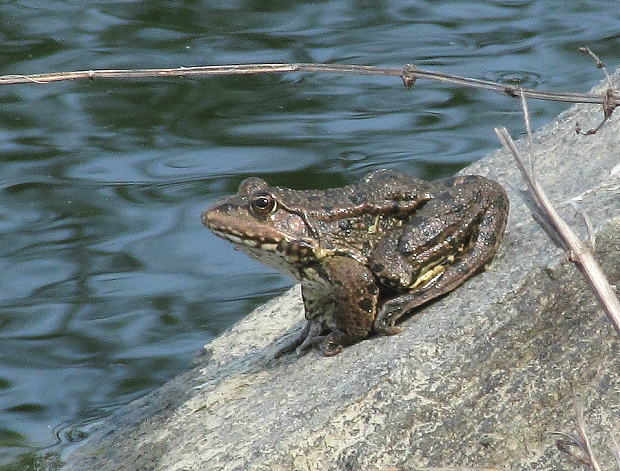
355 296
389 264
437 221
396 307
484 247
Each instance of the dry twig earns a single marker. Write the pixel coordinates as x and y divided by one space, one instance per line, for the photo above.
616 452
580 254
611 95
579 440
409 74
581 430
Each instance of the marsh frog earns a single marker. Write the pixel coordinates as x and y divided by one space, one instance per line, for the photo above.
368 253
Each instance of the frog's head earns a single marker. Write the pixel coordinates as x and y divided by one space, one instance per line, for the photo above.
258 220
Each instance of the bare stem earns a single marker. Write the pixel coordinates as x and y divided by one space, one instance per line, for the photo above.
409 74
579 440
579 253
581 430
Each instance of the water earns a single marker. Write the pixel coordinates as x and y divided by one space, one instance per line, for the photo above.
109 281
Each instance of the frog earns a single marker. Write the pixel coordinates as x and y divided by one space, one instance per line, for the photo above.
369 253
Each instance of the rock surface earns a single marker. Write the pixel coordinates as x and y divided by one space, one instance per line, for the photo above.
478 379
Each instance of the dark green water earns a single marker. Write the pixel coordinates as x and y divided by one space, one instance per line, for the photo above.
109 283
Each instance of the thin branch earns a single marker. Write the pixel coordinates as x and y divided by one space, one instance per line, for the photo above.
579 440
579 253
599 63
409 74
616 452
611 94
588 223
581 430
566 442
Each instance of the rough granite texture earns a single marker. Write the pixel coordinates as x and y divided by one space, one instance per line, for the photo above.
478 379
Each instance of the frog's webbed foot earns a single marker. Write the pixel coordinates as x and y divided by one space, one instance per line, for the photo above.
329 345
308 337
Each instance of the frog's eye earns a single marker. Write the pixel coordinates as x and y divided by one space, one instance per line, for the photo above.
263 204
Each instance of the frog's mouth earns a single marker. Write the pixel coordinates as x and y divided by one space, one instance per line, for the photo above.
262 241
254 241
260 237
227 222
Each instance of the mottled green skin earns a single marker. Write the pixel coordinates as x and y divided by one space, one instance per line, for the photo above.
367 253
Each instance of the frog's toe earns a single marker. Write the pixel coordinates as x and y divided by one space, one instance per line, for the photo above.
288 348
303 341
333 343
387 329
302 350
330 349
385 322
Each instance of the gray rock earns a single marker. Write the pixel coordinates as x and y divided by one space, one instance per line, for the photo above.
478 379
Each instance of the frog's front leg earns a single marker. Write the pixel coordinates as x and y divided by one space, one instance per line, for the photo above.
340 298
355 297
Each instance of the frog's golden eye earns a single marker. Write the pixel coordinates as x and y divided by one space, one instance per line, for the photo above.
263 204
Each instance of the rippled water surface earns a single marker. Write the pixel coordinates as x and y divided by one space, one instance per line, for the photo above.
109 283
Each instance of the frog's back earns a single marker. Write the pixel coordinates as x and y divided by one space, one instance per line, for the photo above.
379 191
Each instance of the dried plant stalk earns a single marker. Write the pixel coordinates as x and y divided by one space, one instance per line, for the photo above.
580 254
408 74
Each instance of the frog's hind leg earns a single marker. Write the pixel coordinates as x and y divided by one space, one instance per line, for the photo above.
456 271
